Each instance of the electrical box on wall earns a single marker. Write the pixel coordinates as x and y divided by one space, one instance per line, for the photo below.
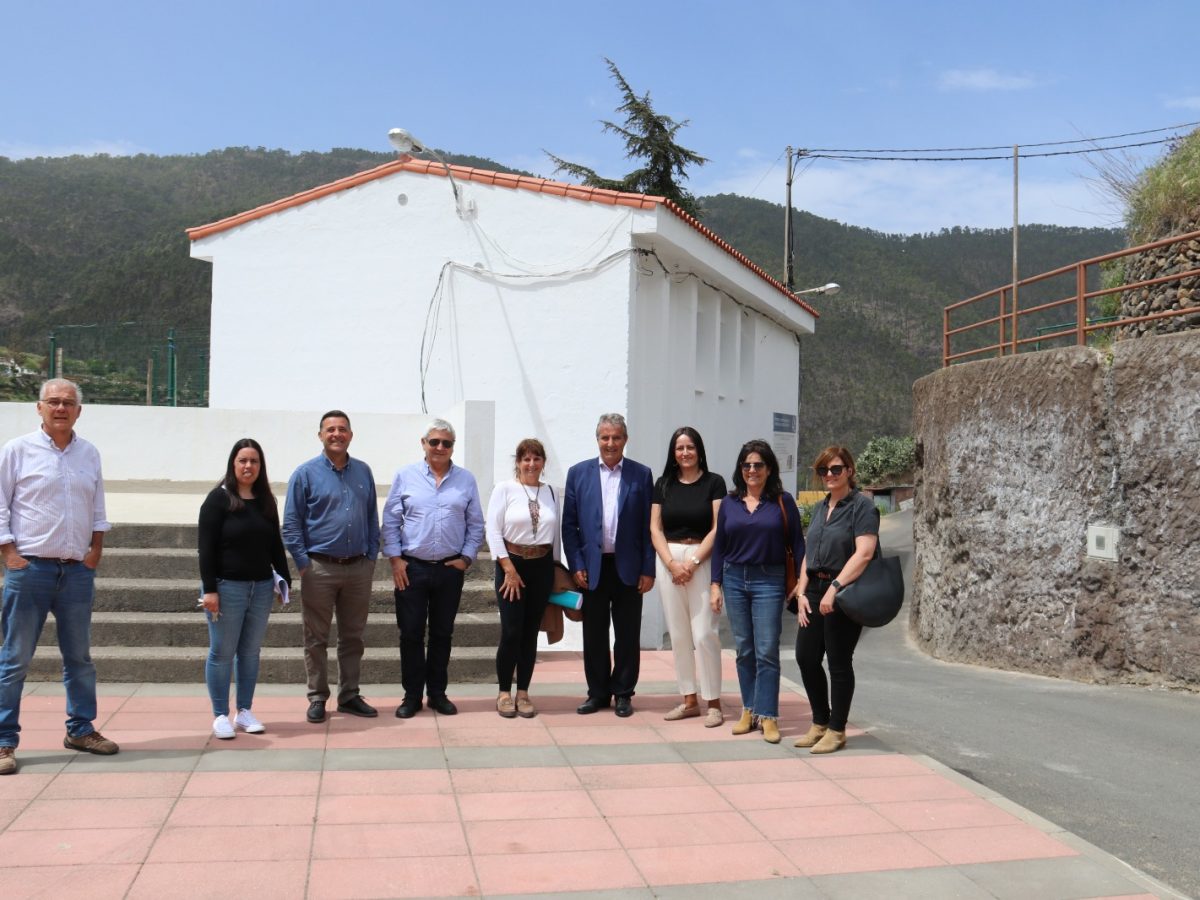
1102 541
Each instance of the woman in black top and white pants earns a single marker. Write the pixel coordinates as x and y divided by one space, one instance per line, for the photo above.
683 522
240 551
841 541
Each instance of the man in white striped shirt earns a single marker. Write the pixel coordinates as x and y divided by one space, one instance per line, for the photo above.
52 525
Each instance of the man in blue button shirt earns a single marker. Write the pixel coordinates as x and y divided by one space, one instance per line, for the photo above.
432 530
331 528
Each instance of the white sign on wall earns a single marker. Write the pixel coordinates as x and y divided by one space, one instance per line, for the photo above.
784 441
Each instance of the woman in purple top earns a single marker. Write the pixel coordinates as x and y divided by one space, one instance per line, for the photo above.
754 525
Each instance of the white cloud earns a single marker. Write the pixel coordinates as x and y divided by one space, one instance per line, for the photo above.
983 80
1183 103
19 150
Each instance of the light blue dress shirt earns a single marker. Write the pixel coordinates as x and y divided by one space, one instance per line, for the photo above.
431 521
331 511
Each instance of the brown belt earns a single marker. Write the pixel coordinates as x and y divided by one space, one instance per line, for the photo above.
527 551
336 560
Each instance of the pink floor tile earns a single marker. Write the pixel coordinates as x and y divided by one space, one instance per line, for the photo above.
101 881
927 815
231 843
568 736
353 842
682 829
40 739
273 740
490 781
220 811
492 736
692 730
160 721
539 836
443 876
74 847
54 720
586 870
707 863
9 810
651 800
841 765
833 855
381 738
252 784
193 880
750 771
149 812
162 739
137 704
661 775
24 786
387 781
959 846
791 823
904 787
355 809
483 807
785 795
73 786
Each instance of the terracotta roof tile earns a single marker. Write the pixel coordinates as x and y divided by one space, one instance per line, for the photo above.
499 179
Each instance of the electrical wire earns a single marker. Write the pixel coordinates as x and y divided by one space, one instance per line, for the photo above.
984 158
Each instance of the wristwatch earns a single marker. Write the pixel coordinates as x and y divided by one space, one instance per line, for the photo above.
695 561
836 585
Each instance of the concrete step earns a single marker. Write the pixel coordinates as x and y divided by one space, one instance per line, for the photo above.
151 630
181 562
152 536
278 665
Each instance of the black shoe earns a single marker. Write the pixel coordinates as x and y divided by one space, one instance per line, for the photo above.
443 705
624 707
357 706
591 705
316 711
408 709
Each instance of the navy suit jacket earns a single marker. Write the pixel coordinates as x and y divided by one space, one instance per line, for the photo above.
583 521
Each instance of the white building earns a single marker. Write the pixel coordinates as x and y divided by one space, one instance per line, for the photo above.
378 293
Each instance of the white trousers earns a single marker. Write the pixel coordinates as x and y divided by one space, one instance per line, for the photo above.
695 641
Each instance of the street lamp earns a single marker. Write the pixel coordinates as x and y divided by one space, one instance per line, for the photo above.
829 289
404 142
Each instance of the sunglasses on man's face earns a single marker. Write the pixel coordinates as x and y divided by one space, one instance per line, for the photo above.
439 442
835 471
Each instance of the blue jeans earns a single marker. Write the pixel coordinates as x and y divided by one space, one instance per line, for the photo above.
754 601
234 640
30 594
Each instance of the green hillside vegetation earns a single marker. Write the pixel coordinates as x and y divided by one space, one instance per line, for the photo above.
1165 198
99 241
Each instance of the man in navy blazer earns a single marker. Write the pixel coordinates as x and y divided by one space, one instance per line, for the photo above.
606 537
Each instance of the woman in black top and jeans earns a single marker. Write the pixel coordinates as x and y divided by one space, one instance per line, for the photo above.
841 541
240 551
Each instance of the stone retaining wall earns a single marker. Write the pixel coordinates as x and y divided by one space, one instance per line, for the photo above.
1016 457
1145 301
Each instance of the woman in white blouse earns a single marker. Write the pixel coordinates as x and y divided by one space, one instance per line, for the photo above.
522 534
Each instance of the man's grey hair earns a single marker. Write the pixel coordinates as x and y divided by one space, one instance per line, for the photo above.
57 383
616 420
440 425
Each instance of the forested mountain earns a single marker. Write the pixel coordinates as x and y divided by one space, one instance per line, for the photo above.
100 241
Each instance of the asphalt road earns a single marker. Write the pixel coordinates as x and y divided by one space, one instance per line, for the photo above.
1117 765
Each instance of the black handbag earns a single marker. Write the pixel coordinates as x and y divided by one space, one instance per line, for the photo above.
875 597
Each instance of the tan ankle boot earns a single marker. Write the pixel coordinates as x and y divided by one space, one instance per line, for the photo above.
832 741
745 724
770 729
809 738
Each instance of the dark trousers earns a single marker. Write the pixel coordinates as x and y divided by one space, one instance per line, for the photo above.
431 598
622 604
521 619
834 637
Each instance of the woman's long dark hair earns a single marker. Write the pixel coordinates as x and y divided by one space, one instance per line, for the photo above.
773 486
267 504
670 473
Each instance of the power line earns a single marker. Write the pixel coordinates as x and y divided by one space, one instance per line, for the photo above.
1088 140
983 158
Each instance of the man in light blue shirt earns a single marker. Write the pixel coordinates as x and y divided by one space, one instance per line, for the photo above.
432 531
331 528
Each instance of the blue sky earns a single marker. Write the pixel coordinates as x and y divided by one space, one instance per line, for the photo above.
506 81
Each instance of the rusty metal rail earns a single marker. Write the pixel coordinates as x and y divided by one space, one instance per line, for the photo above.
1008 320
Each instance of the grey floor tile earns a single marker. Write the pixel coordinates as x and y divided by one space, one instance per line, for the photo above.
42 761
621 754
136 761
250 761
626 894
902 884
745 747
413 758
503 757
765 889
1051 879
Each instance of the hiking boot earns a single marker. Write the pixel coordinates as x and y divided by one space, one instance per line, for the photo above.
92 742
8 760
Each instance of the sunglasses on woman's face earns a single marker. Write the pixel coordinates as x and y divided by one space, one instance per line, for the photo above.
835 471
753 466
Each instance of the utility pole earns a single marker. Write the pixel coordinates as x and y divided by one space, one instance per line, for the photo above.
1014 266
788 260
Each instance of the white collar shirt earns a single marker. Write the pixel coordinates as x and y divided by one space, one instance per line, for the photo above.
610 490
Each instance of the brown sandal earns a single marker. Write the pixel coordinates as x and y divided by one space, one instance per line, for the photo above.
506 707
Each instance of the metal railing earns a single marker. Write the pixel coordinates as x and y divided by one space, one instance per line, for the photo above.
1009 317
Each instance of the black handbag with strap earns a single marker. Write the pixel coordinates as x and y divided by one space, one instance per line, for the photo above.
874 598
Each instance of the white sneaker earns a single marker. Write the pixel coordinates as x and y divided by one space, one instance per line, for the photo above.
246 721
223 728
